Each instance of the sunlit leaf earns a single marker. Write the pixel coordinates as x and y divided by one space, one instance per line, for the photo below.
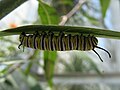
47 14
104 6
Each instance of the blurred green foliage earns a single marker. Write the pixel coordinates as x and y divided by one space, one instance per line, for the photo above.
20 70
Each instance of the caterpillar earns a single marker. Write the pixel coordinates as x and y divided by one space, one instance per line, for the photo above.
61 42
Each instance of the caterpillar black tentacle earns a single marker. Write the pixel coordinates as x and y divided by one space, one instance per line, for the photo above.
105 51
98 55
60 42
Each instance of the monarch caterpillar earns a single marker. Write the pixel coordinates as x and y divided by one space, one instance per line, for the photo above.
61 42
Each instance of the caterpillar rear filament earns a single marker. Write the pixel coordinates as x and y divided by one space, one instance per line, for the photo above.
61 42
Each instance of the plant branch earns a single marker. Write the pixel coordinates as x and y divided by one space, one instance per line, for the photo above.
72 12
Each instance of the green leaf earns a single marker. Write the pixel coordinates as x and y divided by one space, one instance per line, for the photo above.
49 63
47 14
104 6
36 87
28 68
104 33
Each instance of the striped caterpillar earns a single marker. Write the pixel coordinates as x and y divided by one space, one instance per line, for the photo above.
61 42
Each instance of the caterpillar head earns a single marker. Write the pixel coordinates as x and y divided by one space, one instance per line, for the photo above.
21 37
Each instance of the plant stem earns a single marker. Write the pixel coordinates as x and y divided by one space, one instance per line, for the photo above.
66 17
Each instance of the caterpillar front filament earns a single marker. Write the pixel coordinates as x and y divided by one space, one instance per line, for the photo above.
61 42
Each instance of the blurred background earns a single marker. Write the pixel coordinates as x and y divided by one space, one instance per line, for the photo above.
72 70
